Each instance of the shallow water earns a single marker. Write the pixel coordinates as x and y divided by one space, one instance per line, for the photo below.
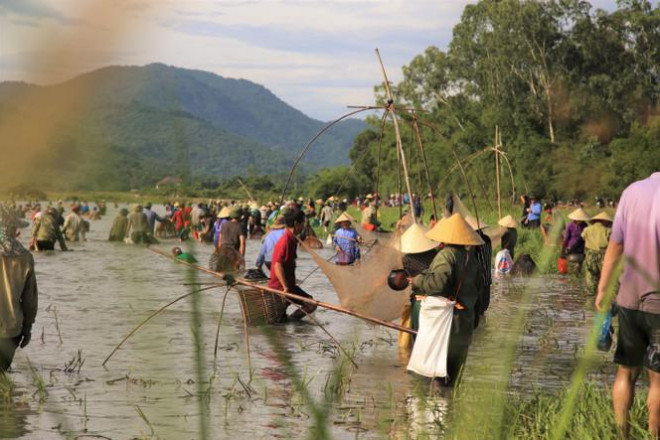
92 297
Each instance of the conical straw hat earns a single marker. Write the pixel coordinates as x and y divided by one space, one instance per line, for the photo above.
579 215
224 212
454 230
508 222
414 241
476 224
602 216
344 218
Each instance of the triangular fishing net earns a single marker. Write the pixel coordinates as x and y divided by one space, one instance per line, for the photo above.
363 287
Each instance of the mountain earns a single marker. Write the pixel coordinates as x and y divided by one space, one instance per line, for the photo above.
127 126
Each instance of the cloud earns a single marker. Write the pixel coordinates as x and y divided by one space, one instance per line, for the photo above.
34 9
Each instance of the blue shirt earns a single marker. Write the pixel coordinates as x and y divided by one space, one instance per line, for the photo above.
346 240
535 214
266 252
216 230
151 219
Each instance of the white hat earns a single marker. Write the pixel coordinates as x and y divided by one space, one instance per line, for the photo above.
579 215
508 222
414 241
454 230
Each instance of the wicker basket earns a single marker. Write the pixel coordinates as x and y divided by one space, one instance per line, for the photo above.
261 307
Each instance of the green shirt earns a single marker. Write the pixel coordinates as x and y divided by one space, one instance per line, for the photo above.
46 228
596 237
185 256
118 229
445 273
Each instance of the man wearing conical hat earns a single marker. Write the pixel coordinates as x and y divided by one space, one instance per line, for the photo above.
453 274
346 241
596 237
573 244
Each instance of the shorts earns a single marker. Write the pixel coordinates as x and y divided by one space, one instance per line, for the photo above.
298 291
638 342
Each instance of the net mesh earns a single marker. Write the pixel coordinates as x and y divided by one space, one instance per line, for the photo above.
363 287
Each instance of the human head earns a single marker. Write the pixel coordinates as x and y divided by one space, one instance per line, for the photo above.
235 213
147 205
294 219
176 251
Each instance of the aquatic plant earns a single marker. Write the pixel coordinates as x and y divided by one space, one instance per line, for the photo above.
7 387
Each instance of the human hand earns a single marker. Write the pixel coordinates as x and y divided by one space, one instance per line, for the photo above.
26 337
229 279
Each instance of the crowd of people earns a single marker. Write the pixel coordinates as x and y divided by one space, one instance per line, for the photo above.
451 258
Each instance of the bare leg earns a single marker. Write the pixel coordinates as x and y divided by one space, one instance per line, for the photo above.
623 393
653 403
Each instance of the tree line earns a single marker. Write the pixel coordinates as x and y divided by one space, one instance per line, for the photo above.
573 91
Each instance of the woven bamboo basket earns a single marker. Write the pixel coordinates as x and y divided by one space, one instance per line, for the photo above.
261 307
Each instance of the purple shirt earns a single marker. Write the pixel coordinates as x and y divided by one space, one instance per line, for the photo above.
637 226
573 240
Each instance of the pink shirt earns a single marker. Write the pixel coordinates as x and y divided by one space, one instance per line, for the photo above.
637 226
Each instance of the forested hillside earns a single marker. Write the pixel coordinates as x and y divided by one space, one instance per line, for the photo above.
118 128
573 90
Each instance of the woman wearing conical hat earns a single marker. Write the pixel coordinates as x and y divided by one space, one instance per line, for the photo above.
596 237
453 274
573 243
346 241
418 254
510 237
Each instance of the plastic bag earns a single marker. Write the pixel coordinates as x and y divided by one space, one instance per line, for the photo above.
429 355
503 263
606 331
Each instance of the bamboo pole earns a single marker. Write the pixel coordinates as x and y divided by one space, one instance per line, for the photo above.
322 304
154 314
246 190
426 166
399 144
497 171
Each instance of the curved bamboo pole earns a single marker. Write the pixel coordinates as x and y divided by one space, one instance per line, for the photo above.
309 144
153 315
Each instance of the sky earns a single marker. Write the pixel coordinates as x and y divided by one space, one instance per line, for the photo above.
317 56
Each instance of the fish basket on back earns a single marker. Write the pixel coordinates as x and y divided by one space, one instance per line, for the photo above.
261 307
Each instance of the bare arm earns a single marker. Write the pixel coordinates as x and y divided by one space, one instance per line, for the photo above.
242 245
612 257
279 273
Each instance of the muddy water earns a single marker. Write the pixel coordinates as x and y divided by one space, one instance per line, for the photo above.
92 297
